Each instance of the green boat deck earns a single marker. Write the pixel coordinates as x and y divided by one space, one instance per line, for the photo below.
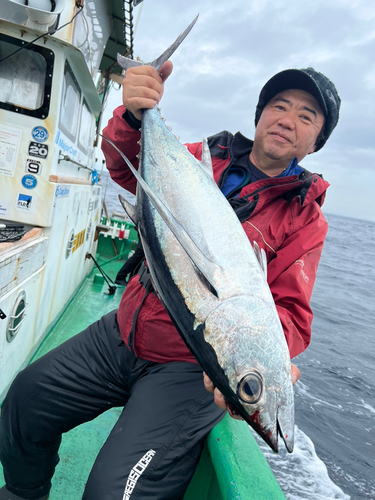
232 465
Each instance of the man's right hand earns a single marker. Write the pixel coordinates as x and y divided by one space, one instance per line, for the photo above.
143 87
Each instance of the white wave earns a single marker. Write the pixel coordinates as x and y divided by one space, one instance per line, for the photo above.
301 474
304 391
367 406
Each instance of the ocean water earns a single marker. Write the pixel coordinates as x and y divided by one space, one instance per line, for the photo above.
334 456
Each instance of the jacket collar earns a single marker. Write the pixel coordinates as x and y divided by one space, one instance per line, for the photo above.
307 186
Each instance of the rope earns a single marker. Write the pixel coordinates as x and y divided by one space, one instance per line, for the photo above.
111 288
264 241
9 233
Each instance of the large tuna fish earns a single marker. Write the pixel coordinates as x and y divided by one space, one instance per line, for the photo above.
210 279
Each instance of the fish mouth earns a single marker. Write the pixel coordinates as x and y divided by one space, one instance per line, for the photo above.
270 422
289 442
271 435
270 438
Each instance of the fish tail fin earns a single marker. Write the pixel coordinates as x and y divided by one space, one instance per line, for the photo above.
126 63
158 63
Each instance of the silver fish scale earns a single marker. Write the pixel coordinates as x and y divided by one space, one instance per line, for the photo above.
169 164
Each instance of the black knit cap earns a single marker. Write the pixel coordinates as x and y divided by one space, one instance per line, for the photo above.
313 82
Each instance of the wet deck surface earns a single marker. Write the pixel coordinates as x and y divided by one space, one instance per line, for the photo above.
81 445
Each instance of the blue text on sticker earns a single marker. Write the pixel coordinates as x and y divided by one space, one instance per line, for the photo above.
64 146
29 181
40 134
62 192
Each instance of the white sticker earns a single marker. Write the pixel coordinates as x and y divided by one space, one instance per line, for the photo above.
33 166
4 208
62 191
25 202
38 150
9 144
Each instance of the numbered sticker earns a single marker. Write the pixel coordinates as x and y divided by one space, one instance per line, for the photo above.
38 150
29 181
33 167
40 134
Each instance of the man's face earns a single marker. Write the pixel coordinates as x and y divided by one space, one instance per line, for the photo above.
288 126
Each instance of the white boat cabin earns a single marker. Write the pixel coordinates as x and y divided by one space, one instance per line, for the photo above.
50 54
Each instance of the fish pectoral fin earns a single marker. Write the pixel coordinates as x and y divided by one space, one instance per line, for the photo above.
261 256
158 63
206 159
129 209
206 266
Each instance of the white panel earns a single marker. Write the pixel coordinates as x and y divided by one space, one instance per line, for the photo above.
18 264
14 355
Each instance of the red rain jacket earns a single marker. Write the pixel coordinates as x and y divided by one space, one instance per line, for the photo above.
286 222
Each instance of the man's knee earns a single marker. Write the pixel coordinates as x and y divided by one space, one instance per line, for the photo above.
20 408
21 391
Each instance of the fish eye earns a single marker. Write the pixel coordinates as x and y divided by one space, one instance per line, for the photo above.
250 387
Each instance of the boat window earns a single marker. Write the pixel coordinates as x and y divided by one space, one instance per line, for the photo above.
86 128
17 316
70 104
25 77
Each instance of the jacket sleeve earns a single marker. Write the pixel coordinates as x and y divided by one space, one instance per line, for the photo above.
126 139
291 277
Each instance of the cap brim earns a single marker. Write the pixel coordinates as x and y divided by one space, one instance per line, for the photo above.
292 79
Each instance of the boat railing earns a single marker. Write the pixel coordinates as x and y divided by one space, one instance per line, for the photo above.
63 157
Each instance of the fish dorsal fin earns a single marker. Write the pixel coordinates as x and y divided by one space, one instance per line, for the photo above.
206 158
205 265
127 63
129 209
261 256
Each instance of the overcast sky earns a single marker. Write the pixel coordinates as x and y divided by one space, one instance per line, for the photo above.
235 47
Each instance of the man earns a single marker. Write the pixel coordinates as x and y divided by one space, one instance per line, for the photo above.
135 357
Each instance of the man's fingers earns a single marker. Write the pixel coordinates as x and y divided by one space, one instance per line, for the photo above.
142 88
135 80
143 70
222 403
166 70
207 383
295 373
219 399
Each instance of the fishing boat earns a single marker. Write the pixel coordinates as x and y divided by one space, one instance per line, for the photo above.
51 226
49 192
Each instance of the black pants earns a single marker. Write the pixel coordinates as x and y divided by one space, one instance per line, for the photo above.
154 447
131 264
